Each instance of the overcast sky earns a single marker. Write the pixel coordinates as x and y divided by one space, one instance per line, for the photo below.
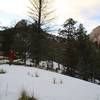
84 11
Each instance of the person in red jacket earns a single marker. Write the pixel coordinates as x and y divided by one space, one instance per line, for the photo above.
11 56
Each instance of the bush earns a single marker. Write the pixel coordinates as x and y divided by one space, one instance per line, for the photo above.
32 98
2 71
25 96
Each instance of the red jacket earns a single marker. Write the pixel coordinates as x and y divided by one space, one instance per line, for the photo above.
11 55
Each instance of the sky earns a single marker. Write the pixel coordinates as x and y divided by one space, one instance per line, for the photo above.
83 11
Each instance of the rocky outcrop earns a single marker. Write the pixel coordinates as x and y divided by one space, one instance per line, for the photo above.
95 35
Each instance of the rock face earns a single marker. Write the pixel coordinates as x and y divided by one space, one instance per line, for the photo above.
21 24
95 35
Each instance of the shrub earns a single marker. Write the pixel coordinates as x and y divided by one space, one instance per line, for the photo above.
32 98
25 96
2 71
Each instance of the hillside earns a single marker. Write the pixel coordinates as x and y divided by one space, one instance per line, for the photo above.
41 84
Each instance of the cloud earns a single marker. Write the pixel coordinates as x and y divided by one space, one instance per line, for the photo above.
84 11
8 19
14 6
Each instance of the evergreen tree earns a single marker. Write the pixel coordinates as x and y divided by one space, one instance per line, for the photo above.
21 40
70 56
84 52
38 44
41 14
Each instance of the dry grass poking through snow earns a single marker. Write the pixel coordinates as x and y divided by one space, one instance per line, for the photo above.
24 96
2 71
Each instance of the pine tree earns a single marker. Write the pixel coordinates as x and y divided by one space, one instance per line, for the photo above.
41 15
70 56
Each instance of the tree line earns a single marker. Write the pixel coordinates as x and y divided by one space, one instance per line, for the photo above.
72 48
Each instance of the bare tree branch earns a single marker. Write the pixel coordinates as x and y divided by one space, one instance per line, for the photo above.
40 12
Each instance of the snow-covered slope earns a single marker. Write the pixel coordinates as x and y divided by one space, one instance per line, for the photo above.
18 78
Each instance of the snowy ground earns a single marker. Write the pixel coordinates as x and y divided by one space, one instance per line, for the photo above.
18 78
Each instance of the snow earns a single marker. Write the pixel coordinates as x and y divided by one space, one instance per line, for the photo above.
18 78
